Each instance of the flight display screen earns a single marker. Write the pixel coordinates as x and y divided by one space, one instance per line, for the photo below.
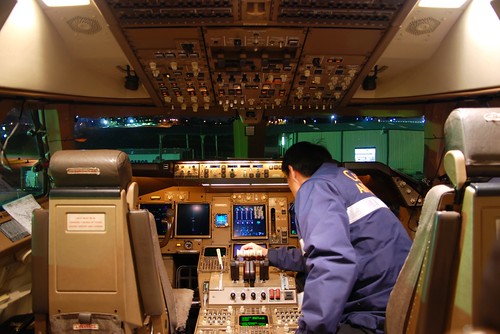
249 221
221 220
159 211
192 220
212 251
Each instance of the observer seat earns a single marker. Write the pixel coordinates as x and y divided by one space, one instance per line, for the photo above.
96 258
437 289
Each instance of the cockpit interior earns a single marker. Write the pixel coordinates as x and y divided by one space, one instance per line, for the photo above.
141 146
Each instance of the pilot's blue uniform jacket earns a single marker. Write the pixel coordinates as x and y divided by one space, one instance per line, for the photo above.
353 247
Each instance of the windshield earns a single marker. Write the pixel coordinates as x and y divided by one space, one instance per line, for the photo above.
158 139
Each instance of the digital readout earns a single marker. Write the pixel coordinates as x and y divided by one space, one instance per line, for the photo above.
253 320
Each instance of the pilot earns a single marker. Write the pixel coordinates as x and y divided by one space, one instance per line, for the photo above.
352 245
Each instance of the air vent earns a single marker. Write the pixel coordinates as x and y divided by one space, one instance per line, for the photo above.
84 25
423 26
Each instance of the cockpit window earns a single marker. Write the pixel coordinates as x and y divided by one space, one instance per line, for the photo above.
349 139
157 139
20 170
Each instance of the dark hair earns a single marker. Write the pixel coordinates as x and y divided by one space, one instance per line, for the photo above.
305 157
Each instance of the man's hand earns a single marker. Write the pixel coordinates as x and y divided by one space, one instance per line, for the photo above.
256 248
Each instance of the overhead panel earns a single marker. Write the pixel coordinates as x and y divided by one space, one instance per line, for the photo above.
253 67
331 60
253 57
377 14
175 62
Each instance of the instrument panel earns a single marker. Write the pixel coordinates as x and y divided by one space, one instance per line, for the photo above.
229 170
194 217
236 201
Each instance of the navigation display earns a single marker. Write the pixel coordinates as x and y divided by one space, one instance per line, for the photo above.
192 220
249 221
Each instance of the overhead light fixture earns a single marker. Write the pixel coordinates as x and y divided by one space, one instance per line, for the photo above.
66 3
441 3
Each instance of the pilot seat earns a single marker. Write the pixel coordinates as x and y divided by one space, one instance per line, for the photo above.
97 264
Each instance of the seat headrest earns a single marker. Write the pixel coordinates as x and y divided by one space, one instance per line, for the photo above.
90 168
476 133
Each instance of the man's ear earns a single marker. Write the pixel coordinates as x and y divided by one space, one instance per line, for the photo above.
291 172
294 174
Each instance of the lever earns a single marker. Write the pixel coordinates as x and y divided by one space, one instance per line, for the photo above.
219 257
